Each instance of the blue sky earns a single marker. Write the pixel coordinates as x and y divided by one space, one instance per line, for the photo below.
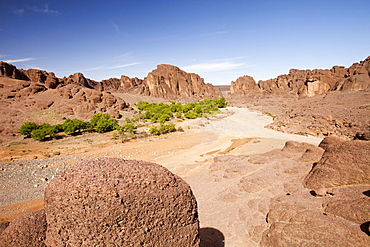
219 40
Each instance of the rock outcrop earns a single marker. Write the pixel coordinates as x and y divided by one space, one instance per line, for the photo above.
120 203
243 86
168 82
83 102
305 83
309 83
9 70
357 77
80 80
344 163
26 95
27 230
299 225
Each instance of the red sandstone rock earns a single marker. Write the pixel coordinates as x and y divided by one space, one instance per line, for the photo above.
170 82
120 203
343 164
356 78
3 226
167 81
27 230
8 70
297 225
309 83
243 85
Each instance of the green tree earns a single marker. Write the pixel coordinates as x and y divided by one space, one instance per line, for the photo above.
39 134
97 117
128 127
106 125
27 128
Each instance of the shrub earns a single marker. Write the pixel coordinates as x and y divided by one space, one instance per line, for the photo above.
190 115
106 125
128 127
98 116
154 130
163 129
39 134
27 128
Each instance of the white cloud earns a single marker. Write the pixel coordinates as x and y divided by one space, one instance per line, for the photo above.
209 67
45 10
115 26
20 60
112 67
19 11
123 65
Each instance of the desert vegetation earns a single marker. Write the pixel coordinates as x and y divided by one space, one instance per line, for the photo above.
148 115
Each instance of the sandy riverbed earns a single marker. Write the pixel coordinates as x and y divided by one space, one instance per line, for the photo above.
193 155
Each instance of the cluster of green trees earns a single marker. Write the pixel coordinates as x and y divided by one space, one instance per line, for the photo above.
102 122
160 112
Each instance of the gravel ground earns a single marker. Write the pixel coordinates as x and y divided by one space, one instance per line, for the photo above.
26 179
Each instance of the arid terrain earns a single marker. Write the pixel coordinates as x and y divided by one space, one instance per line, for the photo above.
251 167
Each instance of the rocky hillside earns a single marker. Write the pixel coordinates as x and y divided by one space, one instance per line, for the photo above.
40 96
308 83
167 81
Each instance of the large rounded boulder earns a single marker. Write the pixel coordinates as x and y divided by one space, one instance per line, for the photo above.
115 202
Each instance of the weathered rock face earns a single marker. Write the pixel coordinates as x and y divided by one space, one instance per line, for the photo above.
167 81
123 85
27 230
309 151
356 78
243 85
83 102
8 70
42 77
120 203
298 225
33 91
309 83
343 164
304 82
80 80
170 82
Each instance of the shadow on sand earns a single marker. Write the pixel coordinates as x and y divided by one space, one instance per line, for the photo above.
211 237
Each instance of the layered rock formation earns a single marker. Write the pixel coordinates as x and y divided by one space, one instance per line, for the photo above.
120 203
308 83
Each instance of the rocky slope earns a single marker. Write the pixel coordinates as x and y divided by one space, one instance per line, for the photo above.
40 96
167 81
309 83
